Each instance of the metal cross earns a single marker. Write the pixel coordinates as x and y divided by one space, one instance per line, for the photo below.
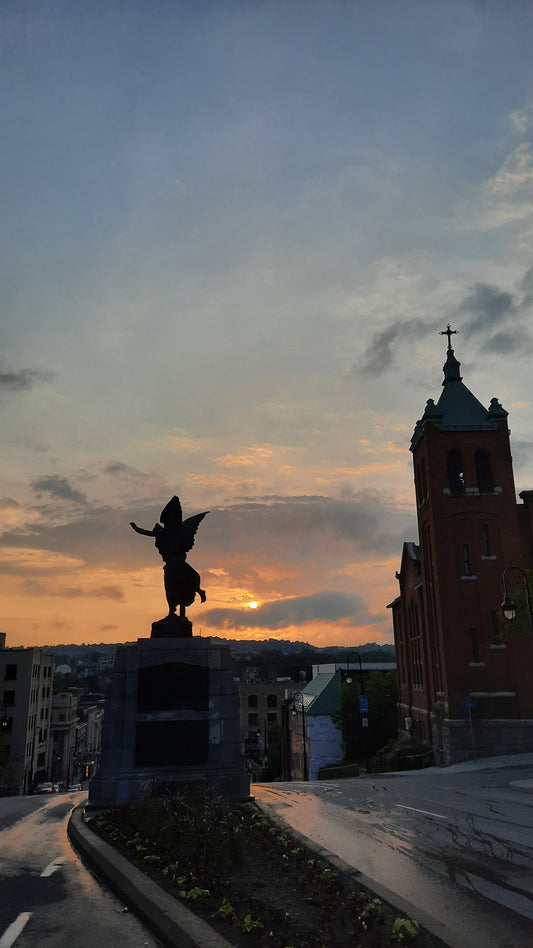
448 332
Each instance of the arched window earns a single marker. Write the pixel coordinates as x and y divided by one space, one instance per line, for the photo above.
456 478
252 701
272 701
483 471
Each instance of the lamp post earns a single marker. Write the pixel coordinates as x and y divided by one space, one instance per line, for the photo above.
363 701
299 705
508 607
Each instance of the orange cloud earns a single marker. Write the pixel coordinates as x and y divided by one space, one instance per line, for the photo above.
256 455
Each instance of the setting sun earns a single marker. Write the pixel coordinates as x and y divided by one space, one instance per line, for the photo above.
252 605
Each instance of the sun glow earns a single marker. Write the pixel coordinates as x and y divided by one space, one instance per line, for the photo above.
252 605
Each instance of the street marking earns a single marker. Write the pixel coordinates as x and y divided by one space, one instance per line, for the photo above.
415 810
50 869
12 933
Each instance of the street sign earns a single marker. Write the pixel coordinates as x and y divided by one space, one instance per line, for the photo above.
364 722
468 703
363 704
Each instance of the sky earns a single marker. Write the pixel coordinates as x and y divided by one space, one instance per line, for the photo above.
231 233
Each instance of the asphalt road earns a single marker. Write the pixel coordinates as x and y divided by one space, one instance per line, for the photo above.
49 898
456 843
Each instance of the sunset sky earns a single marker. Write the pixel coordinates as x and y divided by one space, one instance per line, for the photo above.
231 234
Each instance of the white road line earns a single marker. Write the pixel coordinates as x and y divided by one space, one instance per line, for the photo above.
12 933
415 810
51 868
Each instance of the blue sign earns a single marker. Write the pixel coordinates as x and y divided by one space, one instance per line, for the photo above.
468 703
363 704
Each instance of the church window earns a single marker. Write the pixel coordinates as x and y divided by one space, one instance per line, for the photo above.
485 540
456 478
495 629
421 482
483 471
466 561
475 645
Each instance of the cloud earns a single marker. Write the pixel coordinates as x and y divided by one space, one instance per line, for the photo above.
256 455
488 305
522 119
380 354
23 380
8 503
330 606
508 194
58 487
496 315
35 588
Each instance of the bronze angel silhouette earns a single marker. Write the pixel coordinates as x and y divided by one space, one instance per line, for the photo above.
173 541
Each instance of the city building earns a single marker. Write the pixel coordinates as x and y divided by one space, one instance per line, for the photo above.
26 676
463 670
63 733
315 741
260 706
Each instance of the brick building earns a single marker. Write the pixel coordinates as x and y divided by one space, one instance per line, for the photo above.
464 682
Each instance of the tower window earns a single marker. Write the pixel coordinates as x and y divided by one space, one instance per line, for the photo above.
466 561
495 629
485 540
456 478
475 646
483 471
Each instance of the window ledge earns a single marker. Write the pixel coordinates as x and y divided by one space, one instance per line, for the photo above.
468 577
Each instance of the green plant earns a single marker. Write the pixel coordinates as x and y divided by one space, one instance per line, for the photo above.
404 929
249 923
196 893
371 909
225 910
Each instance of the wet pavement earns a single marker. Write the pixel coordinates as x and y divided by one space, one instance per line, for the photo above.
454 845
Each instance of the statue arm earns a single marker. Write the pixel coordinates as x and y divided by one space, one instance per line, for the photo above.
145 533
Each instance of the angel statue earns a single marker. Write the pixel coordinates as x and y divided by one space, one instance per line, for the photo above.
173 541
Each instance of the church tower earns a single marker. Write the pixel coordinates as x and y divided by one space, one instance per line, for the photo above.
464 683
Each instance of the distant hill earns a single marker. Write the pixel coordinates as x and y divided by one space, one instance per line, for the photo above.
241 648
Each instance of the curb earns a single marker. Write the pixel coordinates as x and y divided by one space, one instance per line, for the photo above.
168 919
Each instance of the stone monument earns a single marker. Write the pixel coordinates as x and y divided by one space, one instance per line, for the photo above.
172 714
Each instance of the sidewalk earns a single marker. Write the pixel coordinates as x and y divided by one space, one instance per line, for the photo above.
167 918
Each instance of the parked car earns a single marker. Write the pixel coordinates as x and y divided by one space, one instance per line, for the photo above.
44 788
75 786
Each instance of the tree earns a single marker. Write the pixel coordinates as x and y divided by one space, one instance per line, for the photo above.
361 742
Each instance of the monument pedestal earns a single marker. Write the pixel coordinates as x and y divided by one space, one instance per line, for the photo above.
171 717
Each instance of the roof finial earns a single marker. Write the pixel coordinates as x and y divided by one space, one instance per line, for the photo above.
449 332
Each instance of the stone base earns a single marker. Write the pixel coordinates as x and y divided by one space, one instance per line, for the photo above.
171 717
172 627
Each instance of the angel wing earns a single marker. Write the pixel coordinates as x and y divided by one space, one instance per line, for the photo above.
188 531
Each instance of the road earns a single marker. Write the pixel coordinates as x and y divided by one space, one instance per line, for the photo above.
49 898
456 843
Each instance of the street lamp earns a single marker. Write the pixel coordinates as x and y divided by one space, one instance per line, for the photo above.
299 705
508 607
